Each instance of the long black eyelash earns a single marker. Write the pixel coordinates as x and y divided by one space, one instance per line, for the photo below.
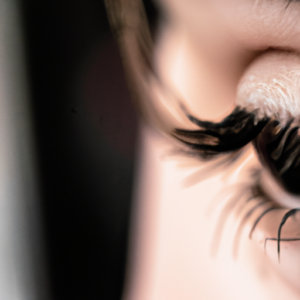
258 191
231 134
286 216
278 147
259 218
289 214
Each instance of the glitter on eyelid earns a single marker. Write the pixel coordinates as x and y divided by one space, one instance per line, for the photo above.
271 86
278 97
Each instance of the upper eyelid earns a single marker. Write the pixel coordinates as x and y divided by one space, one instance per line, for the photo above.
270 201
233 134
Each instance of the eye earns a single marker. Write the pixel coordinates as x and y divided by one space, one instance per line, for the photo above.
268 119
267 113
277 145
279 149
270 88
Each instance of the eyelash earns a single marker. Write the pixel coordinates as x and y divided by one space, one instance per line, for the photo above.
277 144
231 134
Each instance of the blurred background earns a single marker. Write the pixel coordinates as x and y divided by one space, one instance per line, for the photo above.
85 133
85 138
68 149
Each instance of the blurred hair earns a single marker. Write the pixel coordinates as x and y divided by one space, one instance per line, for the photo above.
129 22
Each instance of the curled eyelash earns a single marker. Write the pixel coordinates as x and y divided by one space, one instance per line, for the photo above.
290 213
277 144
279 149
231 134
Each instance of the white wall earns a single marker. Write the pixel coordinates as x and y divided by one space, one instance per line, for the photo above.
21 263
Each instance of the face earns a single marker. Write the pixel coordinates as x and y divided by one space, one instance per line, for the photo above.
215 223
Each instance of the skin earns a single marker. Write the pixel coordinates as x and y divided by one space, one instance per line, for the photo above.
181 248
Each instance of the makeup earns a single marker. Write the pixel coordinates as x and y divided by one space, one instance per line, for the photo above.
270 86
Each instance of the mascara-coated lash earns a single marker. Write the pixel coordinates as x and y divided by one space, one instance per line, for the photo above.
279 150
231 134
278 147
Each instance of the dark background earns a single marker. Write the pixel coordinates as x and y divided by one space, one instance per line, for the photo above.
85 134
